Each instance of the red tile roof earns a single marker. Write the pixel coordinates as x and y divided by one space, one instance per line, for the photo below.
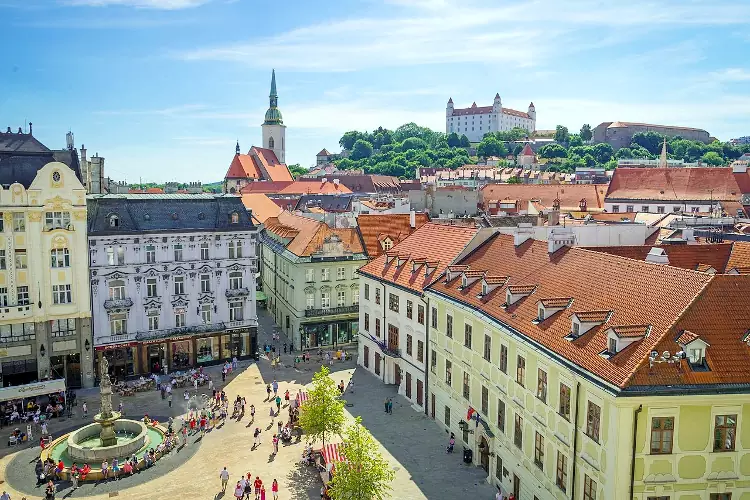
527 151
258 164
556 302
686 337
268 187
637 293
438 244
685 256
262 206
243 167
592 316
323 152
375 228
740 256
307 235
314 187
675 184
570 195
619 124
631 331
481 110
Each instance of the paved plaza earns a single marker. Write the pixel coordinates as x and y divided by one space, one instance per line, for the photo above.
412 442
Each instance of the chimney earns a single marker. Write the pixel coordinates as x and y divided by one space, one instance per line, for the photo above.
688 234
20 131
523 232
8 132
560 237
413 219
553 218
30 128
657 256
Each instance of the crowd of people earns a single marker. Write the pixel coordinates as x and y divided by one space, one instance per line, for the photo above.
34 409
247 486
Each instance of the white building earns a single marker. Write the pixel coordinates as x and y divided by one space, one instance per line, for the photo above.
172 280
475 121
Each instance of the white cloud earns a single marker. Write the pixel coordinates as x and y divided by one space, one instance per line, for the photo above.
141 4
731 75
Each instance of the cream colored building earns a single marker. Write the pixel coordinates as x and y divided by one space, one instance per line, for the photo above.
44 288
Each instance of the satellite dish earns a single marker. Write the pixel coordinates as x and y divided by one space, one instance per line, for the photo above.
681 355
653 355
665 355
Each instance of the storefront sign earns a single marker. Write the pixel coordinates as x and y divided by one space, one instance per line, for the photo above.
121 345
31 390
168 339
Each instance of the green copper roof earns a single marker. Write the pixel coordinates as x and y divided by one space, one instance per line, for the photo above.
273 115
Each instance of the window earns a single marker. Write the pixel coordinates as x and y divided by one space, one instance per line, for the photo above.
420 351
387 244
235 218
448 372
150 254
409 309
235 249
408 344
720 496
235 311
393 302
420 314
341 273
355 296
467 387
561 477
367 322
434 317
499 468
377 327
204 251
3 297
117 289
179 285
63 327
61 294
501 415
235 280
615 210
310 301
589 488
178 252
367 357
56 220
17 332
447 416
487 347
206 313
725 431
612 346
539 450
629 208
645 208
118 324
60 257
23 295
433 360
660 209
662 430
22 261
541 385
485 401
310 276
565 401
19 222
340 298
325 274
377 296
151 287
518 432
3 262
593 417
521 371
205 283
114 221
325 300
504 358
179 318
467 335
153 320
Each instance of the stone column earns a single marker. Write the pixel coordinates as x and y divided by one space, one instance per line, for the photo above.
87 356
42 339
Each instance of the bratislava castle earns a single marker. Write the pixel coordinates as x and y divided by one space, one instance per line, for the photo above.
475 121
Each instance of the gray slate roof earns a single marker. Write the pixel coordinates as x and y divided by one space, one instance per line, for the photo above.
158 213
328 202
22 156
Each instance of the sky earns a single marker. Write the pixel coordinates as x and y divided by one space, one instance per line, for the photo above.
162 89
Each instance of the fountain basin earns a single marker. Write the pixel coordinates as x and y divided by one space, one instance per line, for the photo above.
84 444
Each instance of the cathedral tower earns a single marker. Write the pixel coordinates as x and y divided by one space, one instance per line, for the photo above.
274 130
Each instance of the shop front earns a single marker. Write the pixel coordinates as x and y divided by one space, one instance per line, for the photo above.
329 334
67 366
122 359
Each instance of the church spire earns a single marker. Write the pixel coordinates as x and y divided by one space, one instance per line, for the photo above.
273 83
273 115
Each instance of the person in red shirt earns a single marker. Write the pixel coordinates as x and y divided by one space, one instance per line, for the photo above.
258 483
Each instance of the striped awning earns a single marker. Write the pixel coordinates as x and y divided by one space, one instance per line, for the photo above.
333 453
302 397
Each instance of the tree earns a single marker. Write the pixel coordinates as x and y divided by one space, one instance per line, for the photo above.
713 158
322 415
348 139
586 133
361 149
465 141
553 151
296 170
514 180
413 143
562 136
491 147
575 140
651 141
453 140
365 474
602 152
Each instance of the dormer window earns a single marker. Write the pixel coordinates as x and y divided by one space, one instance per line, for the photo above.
114 221
235 218
387 244
612 346
620 337
694 348
697 355
540 314
514 293
576 328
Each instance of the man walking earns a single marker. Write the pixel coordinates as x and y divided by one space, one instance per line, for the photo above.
275 386
256 436
169 399
224 475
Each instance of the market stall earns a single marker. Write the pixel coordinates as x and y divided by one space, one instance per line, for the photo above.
331 454
32 402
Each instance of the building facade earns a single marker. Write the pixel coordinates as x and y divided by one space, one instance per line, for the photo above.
393 312
309 276
575 376
620 134
45 316
475 121
172 281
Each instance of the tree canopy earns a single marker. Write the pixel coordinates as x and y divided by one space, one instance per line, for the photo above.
322 415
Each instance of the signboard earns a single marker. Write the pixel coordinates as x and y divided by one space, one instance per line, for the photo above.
121 345
31 390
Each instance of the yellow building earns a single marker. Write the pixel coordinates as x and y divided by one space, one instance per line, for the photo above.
594 376
44 287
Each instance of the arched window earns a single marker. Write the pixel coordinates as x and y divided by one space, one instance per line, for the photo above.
270 142
235 280
117 289
60 257
114 221
235 217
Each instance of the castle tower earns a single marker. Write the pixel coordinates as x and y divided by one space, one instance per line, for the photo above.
532 112
274 130
496 123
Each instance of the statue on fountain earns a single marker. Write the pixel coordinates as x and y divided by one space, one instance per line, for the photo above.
106 416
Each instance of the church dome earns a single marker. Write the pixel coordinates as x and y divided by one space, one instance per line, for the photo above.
273 116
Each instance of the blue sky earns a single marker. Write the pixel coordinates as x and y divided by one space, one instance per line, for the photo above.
163 88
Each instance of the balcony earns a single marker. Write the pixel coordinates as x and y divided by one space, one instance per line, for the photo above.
236 292
125 303
182 331
331 311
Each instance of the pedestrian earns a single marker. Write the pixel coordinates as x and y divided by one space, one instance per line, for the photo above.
278 404
279 424
44 428
252 413
284 347
275 489
234 362
275 442
224 475
268 391
115 468
248 483
85 409
121 409
169 400
5 496
239 491
271 414
385 405
163 390
195 385
275 387
105 470
210 384
256 436
351 386
390 406
286 397
262 493
223 374
258 484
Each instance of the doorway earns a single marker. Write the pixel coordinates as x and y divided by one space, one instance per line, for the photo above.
397 374
484 454
432 406
516 486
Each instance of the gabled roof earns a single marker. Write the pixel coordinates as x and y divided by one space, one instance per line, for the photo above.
22 156
740 255
308 235
268 187
570 195
715 255
323 152
630 331
261 206
556 302
314 187
592 316
527 151
436 243
258 164
686 337
675 184
374 228
243 167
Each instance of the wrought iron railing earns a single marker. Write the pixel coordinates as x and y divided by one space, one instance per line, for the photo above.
183 330
236 292
330 311
118 303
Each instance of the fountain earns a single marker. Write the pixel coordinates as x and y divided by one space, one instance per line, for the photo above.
106 418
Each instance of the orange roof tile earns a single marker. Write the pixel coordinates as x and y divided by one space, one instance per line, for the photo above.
375 228
674 184
314 187
270 187
685 256
521 289
495 280
527 151
473 273
740 255
308 235
570 195
272 168
631 331
556 302
592 316
243 167
438 244
262 206
686 337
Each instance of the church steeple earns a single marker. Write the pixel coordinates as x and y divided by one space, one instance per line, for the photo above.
274 130
273 115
